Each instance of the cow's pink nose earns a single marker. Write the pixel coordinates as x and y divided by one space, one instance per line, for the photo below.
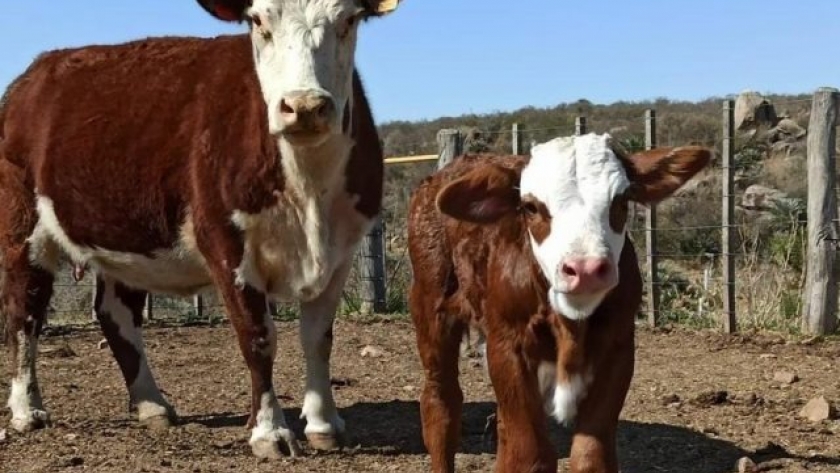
587 275
307 112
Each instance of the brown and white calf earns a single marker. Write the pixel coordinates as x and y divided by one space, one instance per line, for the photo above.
250 163
535 251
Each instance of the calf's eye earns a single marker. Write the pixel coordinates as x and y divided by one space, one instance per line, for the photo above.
618 213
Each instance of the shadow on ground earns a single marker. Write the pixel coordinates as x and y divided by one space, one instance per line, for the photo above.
394 428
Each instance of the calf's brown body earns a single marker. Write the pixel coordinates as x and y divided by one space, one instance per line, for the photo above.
486 274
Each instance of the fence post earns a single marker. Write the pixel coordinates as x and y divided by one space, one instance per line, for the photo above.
373 269
515 139
148 311
819 308
651 245
580 125
730 323
198 306
449 146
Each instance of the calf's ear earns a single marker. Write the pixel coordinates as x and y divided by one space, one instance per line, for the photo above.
483 195
226 10
658 173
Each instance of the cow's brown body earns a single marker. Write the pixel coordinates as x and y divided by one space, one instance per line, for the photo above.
154 160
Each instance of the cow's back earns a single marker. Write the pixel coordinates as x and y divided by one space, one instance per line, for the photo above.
125 121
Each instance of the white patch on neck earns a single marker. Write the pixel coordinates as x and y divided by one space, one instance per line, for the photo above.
562 398
293 248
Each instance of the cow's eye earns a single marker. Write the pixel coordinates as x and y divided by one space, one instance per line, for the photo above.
529 208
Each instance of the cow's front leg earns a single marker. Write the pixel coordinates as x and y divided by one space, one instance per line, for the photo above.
522 426
247 310
324 427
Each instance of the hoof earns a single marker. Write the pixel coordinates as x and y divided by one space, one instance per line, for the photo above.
157 423
37 420
275 449
325 442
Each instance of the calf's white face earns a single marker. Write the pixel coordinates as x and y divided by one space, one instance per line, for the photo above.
574 194
570 202
304 58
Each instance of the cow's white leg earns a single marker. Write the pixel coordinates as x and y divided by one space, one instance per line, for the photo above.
25 397
26 292
324 427
119 310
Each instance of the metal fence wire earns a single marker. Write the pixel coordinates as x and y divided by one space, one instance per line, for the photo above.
690 284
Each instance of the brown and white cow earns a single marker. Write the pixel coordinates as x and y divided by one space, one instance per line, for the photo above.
535 251
250 163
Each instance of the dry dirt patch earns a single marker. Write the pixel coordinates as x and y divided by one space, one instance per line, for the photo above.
699 402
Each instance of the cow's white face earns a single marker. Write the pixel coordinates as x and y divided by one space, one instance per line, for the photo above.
574 194
304 57
571 203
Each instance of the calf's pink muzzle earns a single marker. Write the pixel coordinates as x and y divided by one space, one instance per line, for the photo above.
588 275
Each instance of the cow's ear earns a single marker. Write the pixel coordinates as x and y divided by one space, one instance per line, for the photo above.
226 10
658 173
381 7
483 195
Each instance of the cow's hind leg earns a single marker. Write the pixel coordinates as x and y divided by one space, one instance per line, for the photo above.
119 310
324 427
28 259
439 335
26 296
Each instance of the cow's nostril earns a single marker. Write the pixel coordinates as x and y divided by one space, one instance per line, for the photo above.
285 108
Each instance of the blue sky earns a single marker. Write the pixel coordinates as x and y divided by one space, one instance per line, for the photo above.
447 57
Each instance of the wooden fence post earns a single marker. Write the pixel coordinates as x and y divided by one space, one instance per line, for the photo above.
653 289
515 139
198 306
373 269
580 126
819 308
148 311
449 146
730 323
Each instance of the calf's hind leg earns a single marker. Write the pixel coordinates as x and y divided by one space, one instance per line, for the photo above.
438 341
119 310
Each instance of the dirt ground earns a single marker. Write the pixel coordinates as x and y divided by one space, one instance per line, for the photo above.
699 402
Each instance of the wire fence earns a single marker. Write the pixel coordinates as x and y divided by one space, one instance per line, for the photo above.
768 252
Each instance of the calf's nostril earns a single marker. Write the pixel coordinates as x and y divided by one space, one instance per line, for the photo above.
602 270
568 270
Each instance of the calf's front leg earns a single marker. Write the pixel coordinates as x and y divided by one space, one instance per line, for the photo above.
594 438
521 423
